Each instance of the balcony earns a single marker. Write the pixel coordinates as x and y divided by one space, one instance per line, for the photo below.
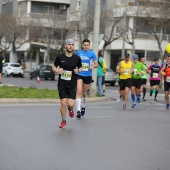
51 1
45 20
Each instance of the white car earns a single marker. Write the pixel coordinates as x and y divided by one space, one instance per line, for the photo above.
12 69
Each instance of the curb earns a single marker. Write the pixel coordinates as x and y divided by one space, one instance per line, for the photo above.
43 101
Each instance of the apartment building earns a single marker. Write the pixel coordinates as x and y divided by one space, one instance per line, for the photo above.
127 11
47 20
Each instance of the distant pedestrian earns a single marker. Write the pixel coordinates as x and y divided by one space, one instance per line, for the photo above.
23 65
19 61
2 60
68 65
101 70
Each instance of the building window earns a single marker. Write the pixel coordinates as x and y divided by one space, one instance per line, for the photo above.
63 7
78 4
49 9
7 6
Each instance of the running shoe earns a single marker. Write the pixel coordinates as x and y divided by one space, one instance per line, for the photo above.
138 100
155 100
83 111
63 124
134 105
144 99
124 106
71 113
167 106
78 115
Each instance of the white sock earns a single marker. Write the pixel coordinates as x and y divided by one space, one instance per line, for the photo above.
78 104
84 102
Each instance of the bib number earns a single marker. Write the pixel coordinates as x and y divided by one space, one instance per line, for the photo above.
66 75
135 71
85 66
155 75
168 79
127 71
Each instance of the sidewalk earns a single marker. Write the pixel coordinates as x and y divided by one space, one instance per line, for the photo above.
44 101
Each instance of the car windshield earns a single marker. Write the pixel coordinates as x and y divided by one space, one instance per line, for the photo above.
46 68
14 65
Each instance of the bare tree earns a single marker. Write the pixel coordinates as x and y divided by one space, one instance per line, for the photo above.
159 23
134 20
49 31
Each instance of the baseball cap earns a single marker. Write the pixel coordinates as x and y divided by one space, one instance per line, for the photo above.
135 56
69 41
127 55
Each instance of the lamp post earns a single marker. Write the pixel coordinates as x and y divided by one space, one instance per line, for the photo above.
124 33
95 42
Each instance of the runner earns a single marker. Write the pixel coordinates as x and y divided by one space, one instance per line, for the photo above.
144 79
89 61
136 80
155 76
68 65
125 69
165 71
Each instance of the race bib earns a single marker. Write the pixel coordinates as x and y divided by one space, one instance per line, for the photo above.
135 71
85 67
66 75
127 71
168 79
155 75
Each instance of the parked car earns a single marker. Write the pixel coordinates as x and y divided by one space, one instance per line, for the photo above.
42 71
110 77
12 69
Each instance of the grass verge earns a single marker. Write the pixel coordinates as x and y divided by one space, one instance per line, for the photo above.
32 92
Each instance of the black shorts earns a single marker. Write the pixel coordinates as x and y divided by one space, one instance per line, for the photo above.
123 83
67 92
0 69
144 81
137 83
86 80
154 82
103 80
166 86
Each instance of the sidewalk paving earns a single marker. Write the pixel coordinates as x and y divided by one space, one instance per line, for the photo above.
43 101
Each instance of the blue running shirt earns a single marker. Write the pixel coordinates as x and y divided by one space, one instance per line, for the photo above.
87 58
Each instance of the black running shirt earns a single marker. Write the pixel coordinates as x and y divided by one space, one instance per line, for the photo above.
68 77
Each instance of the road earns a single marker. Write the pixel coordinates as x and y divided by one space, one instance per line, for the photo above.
106 138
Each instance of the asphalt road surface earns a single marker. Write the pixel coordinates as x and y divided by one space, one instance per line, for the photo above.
106 138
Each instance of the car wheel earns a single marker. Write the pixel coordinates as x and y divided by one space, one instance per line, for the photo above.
31 76
112 83
21 75
46 78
